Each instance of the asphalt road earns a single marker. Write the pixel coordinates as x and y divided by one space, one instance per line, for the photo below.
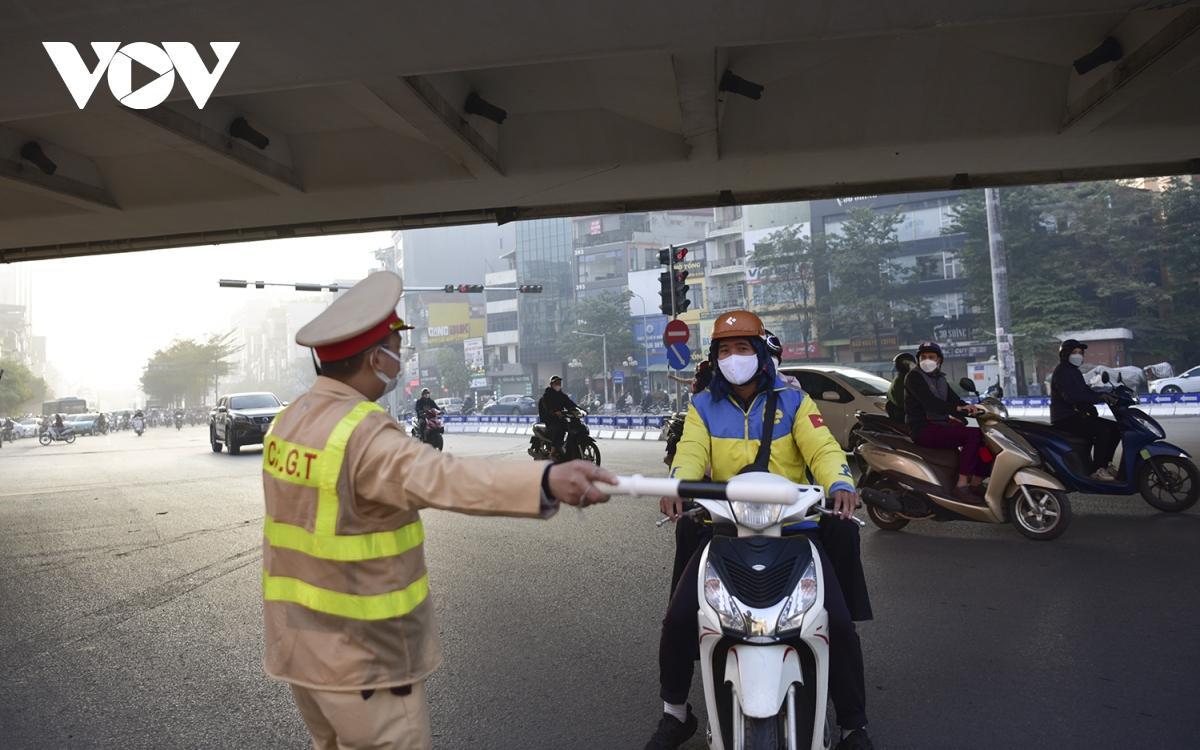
131 615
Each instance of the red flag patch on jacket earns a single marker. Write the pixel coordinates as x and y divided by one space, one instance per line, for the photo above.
817 421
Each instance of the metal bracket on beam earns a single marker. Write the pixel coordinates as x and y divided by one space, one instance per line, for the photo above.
76 180
1175 46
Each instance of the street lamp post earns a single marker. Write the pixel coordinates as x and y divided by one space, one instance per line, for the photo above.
645 341
604 349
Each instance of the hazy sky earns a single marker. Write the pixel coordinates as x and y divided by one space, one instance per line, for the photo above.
105 316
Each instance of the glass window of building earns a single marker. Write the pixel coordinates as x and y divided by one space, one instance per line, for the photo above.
952 265
930 267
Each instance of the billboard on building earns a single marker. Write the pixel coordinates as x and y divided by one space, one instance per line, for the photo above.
473 354
451 321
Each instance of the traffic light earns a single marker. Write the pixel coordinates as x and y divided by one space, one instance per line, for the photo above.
530 289
664 292
470 288
681 289
449 289
670 256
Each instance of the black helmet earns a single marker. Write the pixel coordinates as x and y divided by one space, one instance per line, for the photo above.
1068 346
904 361
930 346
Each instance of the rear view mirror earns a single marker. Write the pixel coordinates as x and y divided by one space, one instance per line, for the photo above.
967 385
1104 377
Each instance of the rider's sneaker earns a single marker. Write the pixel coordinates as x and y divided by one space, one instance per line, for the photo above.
1103 475
856 740
672 732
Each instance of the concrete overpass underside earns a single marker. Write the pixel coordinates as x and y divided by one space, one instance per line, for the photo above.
611 106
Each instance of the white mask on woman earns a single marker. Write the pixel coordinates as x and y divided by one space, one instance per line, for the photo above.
1075 359
739 368
929 365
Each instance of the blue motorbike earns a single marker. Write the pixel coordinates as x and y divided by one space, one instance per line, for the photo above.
1162 473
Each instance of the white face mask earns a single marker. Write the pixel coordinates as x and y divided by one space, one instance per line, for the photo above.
1075 359
389 384
929 365
739 368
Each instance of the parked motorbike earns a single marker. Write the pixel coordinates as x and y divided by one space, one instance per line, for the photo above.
578 443
52 435
764 652
904 482
433 428
1164 474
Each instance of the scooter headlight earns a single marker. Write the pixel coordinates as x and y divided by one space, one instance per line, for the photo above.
1148 424
801 600
719 598
756 516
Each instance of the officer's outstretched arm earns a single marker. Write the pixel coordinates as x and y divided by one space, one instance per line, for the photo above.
393 469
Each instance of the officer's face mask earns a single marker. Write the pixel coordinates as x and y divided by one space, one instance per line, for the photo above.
1075 359
739 368
389 384
929 365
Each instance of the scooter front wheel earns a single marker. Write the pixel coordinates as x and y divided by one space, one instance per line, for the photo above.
1039 513
1169 483
763 734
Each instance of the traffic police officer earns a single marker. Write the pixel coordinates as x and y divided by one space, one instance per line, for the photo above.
349 621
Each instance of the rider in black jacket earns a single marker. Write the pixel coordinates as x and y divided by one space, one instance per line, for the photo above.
551 406
1073 409
424 404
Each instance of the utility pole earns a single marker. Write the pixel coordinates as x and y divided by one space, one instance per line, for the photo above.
1004 337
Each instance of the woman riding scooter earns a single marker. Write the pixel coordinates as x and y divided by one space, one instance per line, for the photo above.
1073 410
930 407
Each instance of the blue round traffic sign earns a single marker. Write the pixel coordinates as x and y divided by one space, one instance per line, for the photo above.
679 356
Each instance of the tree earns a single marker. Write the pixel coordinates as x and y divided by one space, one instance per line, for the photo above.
606 313
453 370
180 374
786 262
20 389
1090 255
869 291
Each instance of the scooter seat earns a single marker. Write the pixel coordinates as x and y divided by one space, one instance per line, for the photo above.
946 457
1035 430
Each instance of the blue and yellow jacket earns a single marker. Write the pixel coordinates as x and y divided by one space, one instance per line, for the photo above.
720 435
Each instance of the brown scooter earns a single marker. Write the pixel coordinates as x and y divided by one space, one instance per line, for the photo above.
904 482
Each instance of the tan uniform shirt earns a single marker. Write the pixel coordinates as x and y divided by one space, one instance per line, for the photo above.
385 473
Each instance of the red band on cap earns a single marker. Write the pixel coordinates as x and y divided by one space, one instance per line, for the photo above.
351 346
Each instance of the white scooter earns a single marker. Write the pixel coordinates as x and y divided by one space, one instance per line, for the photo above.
764 646
139 425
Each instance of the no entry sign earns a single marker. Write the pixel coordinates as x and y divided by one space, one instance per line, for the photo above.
677 332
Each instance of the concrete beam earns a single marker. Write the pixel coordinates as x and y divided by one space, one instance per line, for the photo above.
696 88
204 134
76 181
415 100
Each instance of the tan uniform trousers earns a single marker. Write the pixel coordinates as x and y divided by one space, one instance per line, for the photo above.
344 721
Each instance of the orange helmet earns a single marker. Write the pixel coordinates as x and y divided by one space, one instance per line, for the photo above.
738 324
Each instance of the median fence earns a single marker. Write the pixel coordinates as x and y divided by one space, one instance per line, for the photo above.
1154 404
649 426
617 427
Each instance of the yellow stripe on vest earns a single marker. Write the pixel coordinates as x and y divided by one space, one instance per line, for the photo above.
345 548
351 606
331 468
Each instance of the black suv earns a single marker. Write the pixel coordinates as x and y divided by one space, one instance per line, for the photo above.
241 419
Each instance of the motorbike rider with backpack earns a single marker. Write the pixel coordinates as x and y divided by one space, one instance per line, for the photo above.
1073 409
903 362
724 434
551 406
